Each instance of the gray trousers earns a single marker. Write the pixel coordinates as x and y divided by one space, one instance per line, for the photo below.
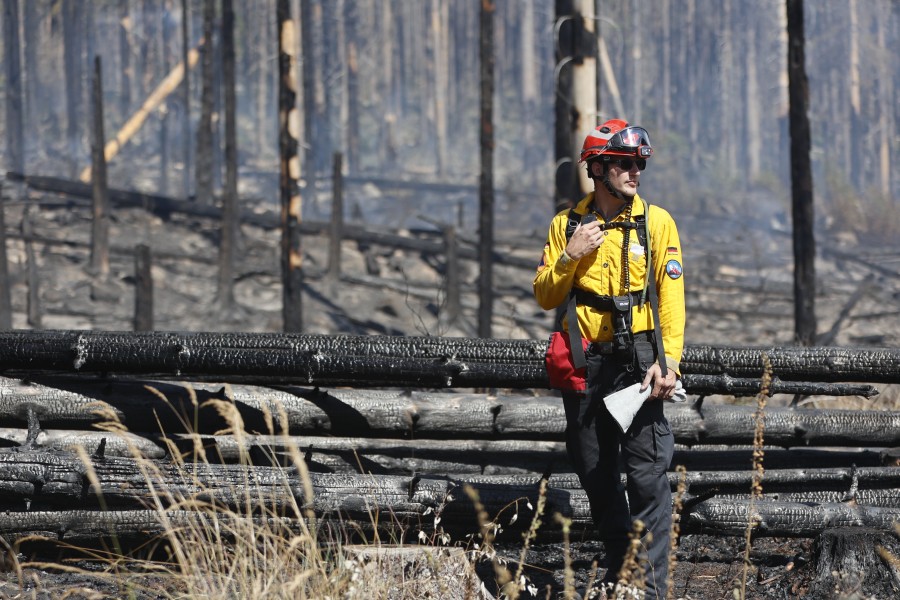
599 452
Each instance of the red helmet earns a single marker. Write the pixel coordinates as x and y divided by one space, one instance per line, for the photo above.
616 138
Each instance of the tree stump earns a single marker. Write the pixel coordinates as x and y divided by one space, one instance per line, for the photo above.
848 563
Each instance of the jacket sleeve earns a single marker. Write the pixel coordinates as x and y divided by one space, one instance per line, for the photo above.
554 277
668 268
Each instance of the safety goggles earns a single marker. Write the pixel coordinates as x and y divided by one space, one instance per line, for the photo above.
626 163
631 140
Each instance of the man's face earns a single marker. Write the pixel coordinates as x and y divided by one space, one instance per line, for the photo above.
624 175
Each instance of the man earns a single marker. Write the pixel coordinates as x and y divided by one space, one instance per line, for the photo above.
600 268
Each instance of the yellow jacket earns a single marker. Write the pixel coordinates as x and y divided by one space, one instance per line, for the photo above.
601 273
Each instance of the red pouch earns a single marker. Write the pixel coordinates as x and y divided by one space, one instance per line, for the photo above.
562 373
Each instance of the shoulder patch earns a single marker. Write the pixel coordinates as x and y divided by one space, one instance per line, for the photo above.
673 269
543 262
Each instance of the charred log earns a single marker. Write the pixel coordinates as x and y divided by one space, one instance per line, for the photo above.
783 519
885 498
84 526
76 402
824 364
739 386
390 360
46 479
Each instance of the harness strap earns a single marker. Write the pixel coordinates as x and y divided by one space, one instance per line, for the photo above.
603 303
577 296
599 302
651 280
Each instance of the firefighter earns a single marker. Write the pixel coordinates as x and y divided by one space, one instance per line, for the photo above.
596 258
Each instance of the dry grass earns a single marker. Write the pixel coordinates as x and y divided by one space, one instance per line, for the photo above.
260 546
756 490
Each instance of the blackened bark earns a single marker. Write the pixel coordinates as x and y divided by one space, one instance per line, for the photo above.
486 178
143 288
204 173
289 189
801 180
100 193
15 138
5 298
566 190
336 229
230 212
72 40
186 96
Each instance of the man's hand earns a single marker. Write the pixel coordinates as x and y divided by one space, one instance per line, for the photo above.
586 239
663 387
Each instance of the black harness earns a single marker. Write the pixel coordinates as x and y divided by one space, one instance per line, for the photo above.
620 306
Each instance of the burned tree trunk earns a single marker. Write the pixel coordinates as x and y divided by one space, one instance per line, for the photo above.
5 295
801 180
230 224
143 288
100 195
289 190
486 177
15 137
204 172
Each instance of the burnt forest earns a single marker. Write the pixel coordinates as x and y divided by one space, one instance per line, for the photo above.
267 322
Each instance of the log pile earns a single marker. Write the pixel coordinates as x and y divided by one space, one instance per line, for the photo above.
228 419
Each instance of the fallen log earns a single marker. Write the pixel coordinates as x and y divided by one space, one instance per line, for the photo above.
66 402
885 498
710 517
367 502
389 360
380 456
823 364
378 360
46 479
783 519
704 385
119 444
88 526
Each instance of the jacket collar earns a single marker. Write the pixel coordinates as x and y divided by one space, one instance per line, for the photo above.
582 207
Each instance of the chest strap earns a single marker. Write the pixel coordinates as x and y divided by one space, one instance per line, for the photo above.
618 305
603 303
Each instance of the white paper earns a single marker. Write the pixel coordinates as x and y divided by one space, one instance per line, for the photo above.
625 403
680 394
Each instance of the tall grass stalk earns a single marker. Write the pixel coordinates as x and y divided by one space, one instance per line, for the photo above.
756 489
568 571
254 543
632 575
677 504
